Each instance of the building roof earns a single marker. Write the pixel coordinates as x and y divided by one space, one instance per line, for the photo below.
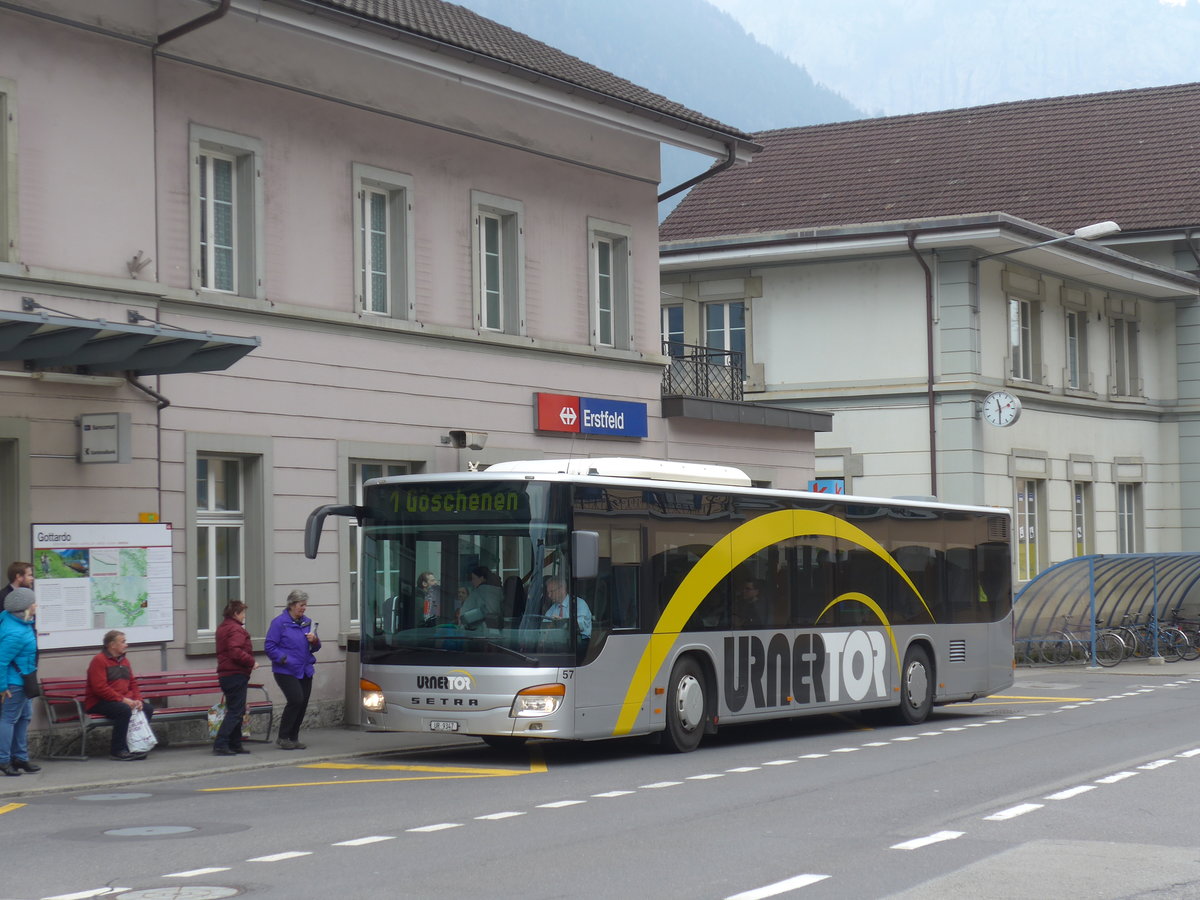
451 26
1130 156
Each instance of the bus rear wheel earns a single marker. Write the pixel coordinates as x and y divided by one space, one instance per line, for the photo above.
916 688
687 703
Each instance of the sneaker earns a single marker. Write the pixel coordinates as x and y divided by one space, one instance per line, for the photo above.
126 756
296 745
287 745
10 769
224 751
239 749
26 766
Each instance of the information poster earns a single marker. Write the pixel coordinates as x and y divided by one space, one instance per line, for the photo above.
91 579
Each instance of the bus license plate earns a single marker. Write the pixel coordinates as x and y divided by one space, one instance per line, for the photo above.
443 726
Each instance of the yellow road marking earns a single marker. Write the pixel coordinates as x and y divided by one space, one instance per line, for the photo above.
1047 699
537 766
10 808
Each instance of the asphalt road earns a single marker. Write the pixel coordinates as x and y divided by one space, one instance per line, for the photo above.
1070 784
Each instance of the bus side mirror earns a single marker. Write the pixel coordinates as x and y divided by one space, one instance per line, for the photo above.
316 519
585 554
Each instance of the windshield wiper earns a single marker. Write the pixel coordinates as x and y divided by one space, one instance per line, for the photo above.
509 650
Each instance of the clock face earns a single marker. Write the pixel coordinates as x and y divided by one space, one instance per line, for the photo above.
1001 409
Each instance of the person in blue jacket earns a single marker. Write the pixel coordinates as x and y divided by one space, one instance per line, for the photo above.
291 642
18 657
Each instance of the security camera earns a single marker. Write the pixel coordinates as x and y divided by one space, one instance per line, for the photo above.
476 440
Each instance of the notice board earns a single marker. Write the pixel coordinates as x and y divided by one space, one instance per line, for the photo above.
93 578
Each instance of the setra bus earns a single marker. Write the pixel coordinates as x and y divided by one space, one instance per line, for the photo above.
599 598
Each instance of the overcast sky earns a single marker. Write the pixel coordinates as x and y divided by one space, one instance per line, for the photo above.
898 56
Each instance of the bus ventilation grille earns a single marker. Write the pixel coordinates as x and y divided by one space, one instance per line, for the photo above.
997 528
958 651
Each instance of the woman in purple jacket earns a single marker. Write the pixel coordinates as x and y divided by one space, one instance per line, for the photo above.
235 662
291 642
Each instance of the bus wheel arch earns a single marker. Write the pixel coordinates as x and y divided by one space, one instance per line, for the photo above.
917 681
691 700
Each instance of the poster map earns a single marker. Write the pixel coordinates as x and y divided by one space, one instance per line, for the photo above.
94 578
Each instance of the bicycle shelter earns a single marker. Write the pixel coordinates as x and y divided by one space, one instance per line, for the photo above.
1108 587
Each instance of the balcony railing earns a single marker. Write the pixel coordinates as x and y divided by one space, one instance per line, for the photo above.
703 372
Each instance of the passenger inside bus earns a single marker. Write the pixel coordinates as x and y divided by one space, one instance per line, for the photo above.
748 605
485 601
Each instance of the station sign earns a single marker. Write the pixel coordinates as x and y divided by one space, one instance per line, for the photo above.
571 414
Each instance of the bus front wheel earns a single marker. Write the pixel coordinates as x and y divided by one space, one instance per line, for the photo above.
916 687
686 706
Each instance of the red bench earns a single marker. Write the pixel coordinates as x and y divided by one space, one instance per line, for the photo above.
62 698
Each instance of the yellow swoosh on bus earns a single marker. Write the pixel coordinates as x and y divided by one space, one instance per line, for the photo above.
720 559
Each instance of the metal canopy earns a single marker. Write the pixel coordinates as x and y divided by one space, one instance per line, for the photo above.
97 346
1122 584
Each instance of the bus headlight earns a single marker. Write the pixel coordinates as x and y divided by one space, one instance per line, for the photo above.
541 700
372 696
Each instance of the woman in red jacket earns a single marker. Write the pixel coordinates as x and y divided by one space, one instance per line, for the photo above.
235 662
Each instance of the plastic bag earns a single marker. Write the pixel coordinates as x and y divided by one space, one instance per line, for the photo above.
216 715
141 737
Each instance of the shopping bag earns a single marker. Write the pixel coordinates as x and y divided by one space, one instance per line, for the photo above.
216 715
141 737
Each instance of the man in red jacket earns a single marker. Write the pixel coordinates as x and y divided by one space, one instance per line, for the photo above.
112 691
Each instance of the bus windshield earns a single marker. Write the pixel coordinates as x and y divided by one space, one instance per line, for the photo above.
464 572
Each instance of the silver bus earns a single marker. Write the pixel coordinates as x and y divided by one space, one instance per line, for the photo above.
598 598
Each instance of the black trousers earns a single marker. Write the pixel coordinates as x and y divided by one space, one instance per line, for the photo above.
230 733
119 712
295 691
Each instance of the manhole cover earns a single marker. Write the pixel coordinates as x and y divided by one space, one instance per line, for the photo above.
191 892
107 797
149 830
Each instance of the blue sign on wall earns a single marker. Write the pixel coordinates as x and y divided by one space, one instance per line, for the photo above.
620 418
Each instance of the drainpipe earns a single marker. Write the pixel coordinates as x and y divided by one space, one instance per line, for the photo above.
730 158
186 27
933 479
163 402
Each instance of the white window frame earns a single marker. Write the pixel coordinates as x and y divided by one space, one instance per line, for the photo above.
1028 515
210 524
256 523
612 327
246 154
507 216
1083 516
9 251
397 192
1129 518
1075 323
1126 378
726 331
1023 339
674 347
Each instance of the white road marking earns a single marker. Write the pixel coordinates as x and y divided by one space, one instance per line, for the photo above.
441 826
954 728
929 734
779 762
1113 779
909 738
846 750
658 784
1071 792
362 841
1013 811
976 724
813 756
1188 754
84 895
621 793
192 873
280 857
1157 764
559 804
935 838
704 777
745 769
779 887
885 743
1015 718
495 817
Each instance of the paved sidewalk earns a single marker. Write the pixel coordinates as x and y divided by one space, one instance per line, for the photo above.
325 744
189 760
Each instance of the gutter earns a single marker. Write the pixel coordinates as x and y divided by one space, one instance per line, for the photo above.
933 478
188 27
730 159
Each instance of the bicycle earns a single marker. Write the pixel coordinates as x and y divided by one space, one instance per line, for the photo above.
1075 642
1141 638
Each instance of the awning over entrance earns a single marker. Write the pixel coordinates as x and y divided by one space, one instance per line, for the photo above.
1114 585
97 346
